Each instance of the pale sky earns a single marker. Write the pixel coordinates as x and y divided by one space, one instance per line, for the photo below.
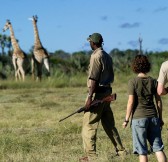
66 24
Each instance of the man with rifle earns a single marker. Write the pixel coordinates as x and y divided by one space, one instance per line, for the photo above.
100 78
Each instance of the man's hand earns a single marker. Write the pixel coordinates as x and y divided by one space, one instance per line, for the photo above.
88 103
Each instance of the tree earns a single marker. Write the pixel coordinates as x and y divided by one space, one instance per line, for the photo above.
3 40
61 54
9 45
80 61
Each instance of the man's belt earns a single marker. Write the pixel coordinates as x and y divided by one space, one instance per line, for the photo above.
107 85
103 89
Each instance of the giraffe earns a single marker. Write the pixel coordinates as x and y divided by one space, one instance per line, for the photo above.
40 54
18 55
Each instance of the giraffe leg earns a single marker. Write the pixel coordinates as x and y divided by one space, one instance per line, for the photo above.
39 71
33 68
15 67
46 63
18 74
20 68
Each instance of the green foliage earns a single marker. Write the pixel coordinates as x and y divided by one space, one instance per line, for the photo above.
122 60
4 42
80 61
68 65
58 80
63 64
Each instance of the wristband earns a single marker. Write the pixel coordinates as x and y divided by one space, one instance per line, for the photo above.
127 121
89 95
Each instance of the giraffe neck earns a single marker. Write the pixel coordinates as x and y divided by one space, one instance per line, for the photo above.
15 44
37 43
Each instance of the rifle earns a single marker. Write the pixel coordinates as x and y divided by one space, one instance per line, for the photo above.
109 98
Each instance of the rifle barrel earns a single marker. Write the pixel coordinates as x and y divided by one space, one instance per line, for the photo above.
106 99
78 111
67 116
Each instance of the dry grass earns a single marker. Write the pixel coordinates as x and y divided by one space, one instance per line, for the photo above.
30 131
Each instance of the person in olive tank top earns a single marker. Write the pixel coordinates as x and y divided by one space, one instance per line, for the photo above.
146 118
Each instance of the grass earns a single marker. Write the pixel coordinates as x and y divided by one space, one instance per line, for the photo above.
30 130
78 80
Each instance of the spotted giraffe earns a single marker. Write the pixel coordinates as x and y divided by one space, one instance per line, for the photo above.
40 54
18 55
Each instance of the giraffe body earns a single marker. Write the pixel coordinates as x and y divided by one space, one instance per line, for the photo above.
18 55
40 54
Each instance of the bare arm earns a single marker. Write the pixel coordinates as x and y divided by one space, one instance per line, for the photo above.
159 107
161 90
90 94
129 110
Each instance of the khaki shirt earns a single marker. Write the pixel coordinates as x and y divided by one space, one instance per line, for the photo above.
100 68
163 74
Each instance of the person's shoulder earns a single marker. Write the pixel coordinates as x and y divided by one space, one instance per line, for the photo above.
152 79
101 53
164 66
133 80
165 63
98 53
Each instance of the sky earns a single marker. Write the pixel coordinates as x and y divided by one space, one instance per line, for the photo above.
66 24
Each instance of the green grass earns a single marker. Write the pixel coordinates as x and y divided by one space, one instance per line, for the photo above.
30 130
78 80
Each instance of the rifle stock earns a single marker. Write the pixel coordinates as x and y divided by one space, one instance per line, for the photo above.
109 98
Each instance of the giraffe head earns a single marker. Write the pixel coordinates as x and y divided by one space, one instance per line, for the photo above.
8 23
34 18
